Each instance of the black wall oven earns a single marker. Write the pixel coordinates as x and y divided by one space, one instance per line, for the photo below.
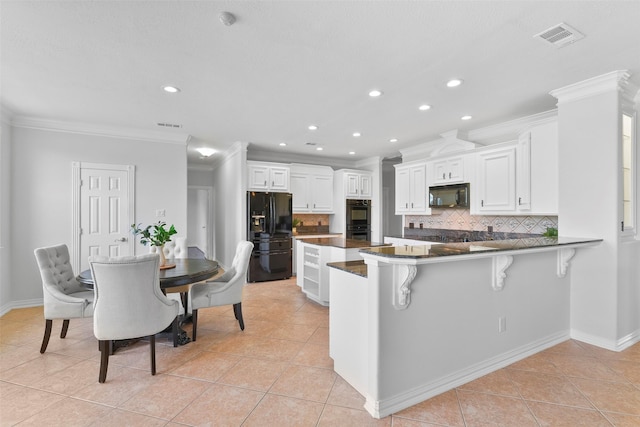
358 219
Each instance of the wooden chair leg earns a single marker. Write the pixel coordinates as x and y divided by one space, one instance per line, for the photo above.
152 349
104 360
194 322
65 328
48 324
174 328
237 310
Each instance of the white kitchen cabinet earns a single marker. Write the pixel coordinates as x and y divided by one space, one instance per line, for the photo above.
411 189
496 180
357 184
312 188
448 171
519 178
264 176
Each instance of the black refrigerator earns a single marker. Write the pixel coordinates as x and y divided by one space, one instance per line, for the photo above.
269 219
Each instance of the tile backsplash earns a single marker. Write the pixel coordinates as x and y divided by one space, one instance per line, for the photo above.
312 219
461 219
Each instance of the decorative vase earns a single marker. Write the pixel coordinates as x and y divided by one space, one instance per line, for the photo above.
163 259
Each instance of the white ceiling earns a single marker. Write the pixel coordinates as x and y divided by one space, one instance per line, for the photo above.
286 64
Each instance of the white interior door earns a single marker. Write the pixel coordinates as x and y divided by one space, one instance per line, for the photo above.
106 211
198 213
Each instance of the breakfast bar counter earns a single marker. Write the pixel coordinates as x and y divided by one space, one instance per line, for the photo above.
425 319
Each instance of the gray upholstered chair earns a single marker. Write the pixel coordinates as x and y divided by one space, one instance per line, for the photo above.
64 297
129 303
226 289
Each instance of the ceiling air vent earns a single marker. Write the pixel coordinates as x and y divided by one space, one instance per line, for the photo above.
169 125
560 35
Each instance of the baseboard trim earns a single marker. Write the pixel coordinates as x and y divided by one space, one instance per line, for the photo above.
37 302
382 408
617 345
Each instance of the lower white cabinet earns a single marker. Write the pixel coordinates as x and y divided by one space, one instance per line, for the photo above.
312 271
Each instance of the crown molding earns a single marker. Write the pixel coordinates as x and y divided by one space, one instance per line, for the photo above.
282 157
237 148
511 129
613 81
99 130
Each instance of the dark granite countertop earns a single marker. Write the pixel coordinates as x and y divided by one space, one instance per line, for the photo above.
355 267
342 243
468 248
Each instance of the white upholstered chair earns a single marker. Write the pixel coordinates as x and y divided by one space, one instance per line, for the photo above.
226 289
129 303
64 297
176 248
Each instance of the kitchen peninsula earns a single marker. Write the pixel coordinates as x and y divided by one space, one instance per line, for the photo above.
411 322
312 258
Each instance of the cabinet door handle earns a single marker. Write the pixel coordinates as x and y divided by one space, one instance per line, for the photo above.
519 201
314 205
482 203
449 175
443 176
273 183
265 182
406 205
307 204
411 204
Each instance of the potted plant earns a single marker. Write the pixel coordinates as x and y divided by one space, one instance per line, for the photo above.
155 235
296 222
551 232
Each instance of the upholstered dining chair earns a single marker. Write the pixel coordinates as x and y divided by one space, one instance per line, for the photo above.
224 290
64 297
176 248
129 303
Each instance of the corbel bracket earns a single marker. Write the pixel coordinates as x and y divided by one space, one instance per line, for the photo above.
402 292
499 268
564 256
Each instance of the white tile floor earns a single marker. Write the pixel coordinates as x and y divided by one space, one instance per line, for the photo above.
278 373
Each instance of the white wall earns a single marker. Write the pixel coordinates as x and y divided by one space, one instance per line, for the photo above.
41 191
5 220
230 207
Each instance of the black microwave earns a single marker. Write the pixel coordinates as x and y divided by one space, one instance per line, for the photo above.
449 196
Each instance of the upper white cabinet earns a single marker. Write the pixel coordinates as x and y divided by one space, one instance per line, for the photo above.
264 176
519 178
411 189
356 184
312 188
495 181
448 171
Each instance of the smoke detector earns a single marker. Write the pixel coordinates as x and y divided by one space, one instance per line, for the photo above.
560 35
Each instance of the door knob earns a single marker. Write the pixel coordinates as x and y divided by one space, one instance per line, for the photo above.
122 239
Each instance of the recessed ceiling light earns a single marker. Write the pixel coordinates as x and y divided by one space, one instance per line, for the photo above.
393 140
205 152
352 153
375 93
454 83
283 144
356 134
465 118
171 89
313 127
319 148
424 107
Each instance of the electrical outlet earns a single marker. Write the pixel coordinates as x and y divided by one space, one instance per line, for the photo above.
160 213
502 324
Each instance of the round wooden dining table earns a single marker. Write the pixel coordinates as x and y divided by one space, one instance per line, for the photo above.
177 279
